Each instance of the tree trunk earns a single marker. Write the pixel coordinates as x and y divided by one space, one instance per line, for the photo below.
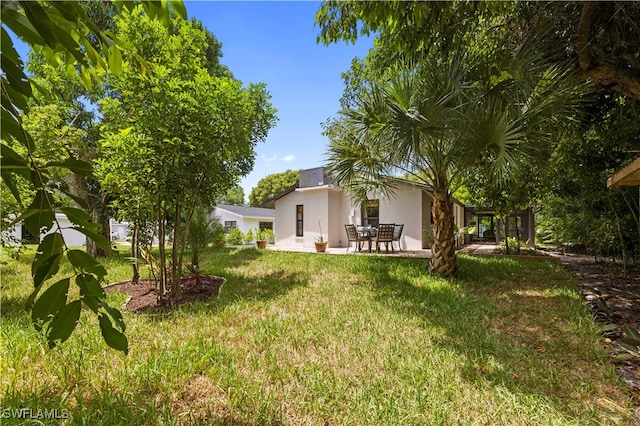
515 217
135 253
162 262
505 221
176 264
443 253
100 215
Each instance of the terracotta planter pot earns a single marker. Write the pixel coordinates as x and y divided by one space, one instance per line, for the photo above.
321 247
261 244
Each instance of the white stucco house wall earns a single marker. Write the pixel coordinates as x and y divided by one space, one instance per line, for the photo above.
298 209
245 218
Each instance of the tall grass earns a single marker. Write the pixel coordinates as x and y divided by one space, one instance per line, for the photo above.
305 338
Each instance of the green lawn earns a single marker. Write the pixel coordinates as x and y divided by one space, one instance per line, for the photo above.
305 338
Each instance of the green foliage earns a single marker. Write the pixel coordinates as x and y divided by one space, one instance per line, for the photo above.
630 344
249 237
233 197
271 185
267 234
235 237
203 230
193 133
579 212
64 35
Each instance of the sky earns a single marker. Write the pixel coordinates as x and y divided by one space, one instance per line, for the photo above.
275 43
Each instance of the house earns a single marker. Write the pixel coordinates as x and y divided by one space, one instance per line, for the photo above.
317 204
71 236
244 218
487 227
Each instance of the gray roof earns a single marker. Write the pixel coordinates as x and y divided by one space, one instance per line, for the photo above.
246 211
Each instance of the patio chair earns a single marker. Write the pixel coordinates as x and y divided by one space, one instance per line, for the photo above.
385 235
397 233
354 236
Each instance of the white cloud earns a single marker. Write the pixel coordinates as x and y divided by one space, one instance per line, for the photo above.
288 158
269 158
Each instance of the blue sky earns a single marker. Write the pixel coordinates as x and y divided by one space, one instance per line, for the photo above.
275 43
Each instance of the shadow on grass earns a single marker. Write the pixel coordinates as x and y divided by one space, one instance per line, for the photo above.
468 309
246 279
110 408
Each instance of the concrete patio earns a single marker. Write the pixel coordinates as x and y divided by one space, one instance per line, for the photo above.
483 249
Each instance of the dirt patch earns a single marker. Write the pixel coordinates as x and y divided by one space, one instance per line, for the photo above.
143 297
613 294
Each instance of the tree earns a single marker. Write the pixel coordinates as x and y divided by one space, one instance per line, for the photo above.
65 34
67 95
579 212
234 196
271 185
195 132
599 40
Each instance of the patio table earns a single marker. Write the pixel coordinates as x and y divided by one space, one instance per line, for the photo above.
368 232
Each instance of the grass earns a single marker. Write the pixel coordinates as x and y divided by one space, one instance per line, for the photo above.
305 338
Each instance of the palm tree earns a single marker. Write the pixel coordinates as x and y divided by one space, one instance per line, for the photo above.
436 120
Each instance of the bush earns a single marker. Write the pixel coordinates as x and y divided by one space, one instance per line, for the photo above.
235 237
268 235
249 237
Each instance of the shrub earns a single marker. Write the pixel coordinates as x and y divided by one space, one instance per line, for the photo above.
249 237
235 237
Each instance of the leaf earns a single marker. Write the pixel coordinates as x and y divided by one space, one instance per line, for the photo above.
75 215
115 60
115 314
632 348
49 303
64 323
90 291
629 341
86 263
13 98
624 357
632 332
81 201
113 337
100 240
8 179
47 259
40 21
8 50
179 8
40 214
78 167
609 327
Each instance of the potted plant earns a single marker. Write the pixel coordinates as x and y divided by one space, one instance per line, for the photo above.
261 240
321 242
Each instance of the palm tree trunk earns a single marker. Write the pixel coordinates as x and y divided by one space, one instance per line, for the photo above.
443 252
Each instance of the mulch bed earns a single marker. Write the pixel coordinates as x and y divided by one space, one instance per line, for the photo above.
613 294
143 297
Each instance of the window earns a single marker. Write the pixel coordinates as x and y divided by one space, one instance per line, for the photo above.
299 220
229 225
371 213
265 225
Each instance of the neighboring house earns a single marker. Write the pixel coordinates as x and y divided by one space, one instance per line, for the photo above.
315 197
489 228
245 218
70 235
